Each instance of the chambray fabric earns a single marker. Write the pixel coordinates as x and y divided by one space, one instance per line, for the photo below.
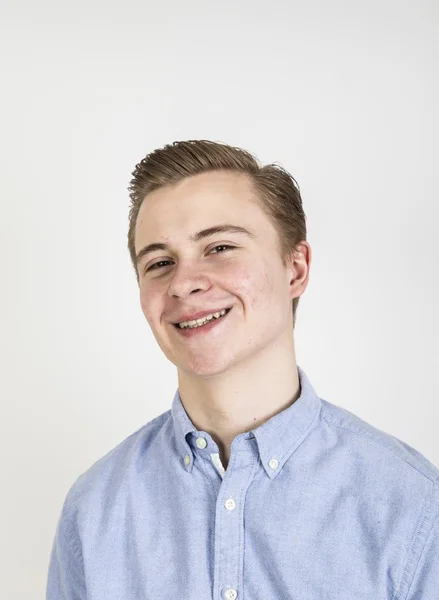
315 504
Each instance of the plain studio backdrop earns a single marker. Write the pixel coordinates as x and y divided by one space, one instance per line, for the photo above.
343 94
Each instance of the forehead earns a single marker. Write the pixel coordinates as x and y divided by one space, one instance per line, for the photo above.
196 202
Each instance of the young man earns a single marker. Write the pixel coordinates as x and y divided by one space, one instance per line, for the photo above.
251 486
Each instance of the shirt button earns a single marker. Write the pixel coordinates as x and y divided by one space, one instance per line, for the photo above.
201 442
230 504
273 464
230 594
187 459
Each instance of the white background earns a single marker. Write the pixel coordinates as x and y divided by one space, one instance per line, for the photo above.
343 94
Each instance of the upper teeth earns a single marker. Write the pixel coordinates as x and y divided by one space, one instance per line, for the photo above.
203 320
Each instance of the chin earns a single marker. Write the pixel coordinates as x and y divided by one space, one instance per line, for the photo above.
203 367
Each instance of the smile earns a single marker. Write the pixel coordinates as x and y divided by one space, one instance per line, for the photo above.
193 328
203 321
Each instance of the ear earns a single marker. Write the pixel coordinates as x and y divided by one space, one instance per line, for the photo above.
299 266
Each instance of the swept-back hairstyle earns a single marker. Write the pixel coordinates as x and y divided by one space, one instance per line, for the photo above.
276 190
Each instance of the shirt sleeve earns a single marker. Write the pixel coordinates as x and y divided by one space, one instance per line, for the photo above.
425 583
66 571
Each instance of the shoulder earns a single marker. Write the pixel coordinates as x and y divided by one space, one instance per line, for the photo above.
115 469
391 491
381 449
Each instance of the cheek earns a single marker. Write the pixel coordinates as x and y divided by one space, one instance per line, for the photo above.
148 303
253 284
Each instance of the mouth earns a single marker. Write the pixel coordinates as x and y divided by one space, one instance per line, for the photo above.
176 325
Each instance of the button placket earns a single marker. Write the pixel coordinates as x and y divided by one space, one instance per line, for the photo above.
229 530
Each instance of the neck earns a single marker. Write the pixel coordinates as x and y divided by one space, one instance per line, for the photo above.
244 396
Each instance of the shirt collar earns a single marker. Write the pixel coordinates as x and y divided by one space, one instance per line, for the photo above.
276 439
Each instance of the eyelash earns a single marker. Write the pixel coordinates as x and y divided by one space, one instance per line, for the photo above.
153 267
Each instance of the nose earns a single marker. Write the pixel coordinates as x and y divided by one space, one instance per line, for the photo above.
187 279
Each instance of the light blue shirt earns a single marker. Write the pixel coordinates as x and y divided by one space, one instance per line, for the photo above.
315 504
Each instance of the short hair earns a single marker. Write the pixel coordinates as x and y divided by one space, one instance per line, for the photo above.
276 190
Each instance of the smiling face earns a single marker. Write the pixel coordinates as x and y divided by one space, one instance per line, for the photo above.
222 270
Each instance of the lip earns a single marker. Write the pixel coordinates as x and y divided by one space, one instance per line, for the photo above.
199 315
203 332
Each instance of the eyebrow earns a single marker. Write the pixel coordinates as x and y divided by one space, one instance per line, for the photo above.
196 237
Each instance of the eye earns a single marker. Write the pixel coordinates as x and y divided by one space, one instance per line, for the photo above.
155 266
222 246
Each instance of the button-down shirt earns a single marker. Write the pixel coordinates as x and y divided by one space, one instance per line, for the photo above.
315 504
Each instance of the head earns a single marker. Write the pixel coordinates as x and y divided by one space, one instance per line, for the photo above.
186 187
